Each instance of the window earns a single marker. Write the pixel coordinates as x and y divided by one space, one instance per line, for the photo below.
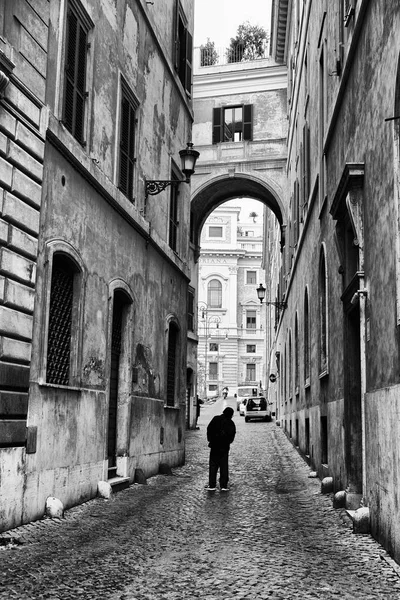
183 50
296 354
173 336
324 440
233 124
127 141
190 309
213 347
290 365
213 371
251 348
215 231
305 162
251 277
173 214
214 293
323 315
251 317
250 372
76 48
306 340
61 317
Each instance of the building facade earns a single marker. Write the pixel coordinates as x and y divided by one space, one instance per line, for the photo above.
336 354
95 265
240 130
231 321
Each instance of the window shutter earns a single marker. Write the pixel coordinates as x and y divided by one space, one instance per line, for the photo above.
177 49
80 84
72 26
248 122
75 76
217 123
124 147
189 60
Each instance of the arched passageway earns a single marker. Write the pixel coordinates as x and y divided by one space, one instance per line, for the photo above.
210 194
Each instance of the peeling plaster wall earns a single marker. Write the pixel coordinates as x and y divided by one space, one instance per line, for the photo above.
358 100
118 244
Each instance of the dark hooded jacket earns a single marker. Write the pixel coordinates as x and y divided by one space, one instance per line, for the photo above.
221 432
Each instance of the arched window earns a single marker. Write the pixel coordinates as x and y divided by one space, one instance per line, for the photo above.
323 314
214 294
173 344
62 317
306 339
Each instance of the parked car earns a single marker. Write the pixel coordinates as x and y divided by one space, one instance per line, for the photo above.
244 391
257 408
242 406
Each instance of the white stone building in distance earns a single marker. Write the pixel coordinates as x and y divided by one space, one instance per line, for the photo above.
231 320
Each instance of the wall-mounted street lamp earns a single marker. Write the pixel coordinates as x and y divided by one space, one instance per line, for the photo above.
188 159
261 295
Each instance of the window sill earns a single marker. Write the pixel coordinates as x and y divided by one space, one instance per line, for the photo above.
167 407
324 374
58 386
307 383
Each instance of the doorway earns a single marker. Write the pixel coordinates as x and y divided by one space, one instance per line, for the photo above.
119 309
352 398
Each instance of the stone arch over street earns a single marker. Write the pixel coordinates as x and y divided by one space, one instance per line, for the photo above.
213 192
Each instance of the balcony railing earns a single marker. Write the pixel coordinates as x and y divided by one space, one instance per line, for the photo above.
224 56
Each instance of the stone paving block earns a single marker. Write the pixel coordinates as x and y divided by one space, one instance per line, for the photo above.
274 535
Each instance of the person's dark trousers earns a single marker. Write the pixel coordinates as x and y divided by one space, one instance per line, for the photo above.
218 460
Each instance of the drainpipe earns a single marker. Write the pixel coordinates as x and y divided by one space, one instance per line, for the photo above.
362 295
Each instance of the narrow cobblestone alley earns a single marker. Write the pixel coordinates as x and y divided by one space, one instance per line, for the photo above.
272 536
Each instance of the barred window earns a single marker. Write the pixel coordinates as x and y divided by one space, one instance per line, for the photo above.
60 320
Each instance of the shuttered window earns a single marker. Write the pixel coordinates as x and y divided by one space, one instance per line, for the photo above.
173 214
232 123
172 362
190 309
75 94
183 49
127 142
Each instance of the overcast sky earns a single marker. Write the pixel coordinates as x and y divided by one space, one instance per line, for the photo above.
219 19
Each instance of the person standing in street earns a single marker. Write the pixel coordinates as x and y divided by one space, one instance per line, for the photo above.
199 402
221 432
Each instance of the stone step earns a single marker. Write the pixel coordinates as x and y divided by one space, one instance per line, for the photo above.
118 483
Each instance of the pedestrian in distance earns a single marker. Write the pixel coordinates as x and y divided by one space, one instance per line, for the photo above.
225 392
221 432
199 402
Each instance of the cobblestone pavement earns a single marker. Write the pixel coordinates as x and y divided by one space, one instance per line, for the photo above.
273 535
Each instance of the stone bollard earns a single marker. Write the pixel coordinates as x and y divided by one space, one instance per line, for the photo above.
339 499
104 489
140 477
54 508
361 520
327 485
